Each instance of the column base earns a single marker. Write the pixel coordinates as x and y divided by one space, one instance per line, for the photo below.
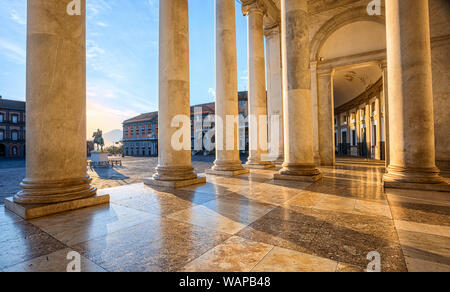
175 184
301 178
227 173
54 191
299 172
32 211
426 179
259 165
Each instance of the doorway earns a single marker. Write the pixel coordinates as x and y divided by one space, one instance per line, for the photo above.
2 150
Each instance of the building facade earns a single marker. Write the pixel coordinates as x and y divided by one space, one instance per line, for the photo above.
140 134
12 128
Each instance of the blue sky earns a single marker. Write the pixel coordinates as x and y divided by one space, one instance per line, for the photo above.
122 56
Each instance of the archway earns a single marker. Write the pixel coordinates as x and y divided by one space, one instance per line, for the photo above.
347 57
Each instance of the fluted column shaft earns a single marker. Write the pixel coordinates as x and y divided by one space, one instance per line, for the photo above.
56 105
326 119
298 125
227 153
411 127
174 164
275 92
257 87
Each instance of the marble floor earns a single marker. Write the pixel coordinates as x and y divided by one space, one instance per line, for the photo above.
246 223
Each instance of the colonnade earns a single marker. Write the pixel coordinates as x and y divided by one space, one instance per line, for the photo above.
56 176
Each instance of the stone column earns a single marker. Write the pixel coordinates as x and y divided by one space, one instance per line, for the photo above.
383 67
315 111
298 141
339 133
56 178
378 134
227 108
368 130
257 100
412 142
357 129
275 92
174 162
326 118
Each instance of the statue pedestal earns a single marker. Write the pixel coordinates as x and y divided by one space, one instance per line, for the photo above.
99 159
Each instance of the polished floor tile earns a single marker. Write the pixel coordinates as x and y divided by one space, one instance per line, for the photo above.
245 223
374 208
165 245
239 209
421 213
59 261
22 241
284 260
428 247
416 265
7 217
334 203
234 255
74 227
204 217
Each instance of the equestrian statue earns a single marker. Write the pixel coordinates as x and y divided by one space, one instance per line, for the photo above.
98 140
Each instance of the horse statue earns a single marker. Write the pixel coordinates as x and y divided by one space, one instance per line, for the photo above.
98 139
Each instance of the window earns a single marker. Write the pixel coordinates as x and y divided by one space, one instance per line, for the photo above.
14 135
2 135
2 118
15 119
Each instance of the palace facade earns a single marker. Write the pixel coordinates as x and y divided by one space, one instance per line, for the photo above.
12 128
140 133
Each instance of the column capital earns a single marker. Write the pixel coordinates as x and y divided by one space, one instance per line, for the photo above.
253 6
272 30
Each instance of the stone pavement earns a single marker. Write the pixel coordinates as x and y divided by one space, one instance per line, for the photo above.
247 223
134 170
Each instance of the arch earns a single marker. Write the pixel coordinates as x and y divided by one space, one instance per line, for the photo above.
338 21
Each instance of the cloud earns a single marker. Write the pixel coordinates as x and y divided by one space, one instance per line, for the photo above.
13 51
16 17
93 50
106 118
102 24
212 93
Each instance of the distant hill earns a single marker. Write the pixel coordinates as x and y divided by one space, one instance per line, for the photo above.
113 137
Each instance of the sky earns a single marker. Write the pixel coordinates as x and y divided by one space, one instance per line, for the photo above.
122 56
